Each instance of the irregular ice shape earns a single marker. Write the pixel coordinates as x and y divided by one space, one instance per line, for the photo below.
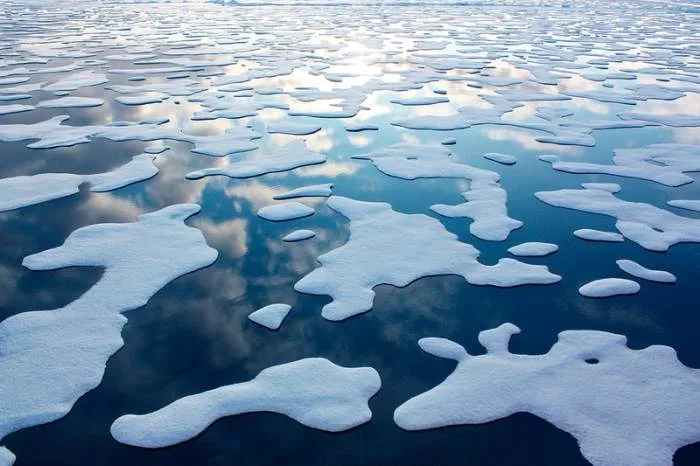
647 225
504 159
15 108
598 235
607 287
7 458
357 127
381 250
589 384
425 100
139 100
299 235
610 187
639 271
533 249
662 163
676 121
314 190
22 191
71 102
296 129
270 316
486 200
77 80
285 211
687 204
292 155
313 391
50 358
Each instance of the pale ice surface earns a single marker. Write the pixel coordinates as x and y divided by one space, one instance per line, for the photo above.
285 211
299 235
639 271
426 100
625 407
7 458
688 204
313 391
314 190
296 129
533 249
22 191
504 159
486 199
607 287
610 187
598 235
71 102
15 108
39 349
288 157
270 316
647 225
381 250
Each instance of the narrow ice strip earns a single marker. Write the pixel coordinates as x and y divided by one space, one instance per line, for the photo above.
22 191
71 102
590 384
314 391
50 358
139 100
503 159
77 80
639 271
687 204
285 211
533 249
415 101
288 157
598 235
295 129
314 190
299 235
270 316
609 187
607 287
676 121
647 225
15 108
381 250
357 127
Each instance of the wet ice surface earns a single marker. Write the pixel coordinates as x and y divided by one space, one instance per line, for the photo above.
419 113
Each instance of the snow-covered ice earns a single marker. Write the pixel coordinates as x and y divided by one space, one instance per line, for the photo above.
533 249
285 211
270 316
639 271
299 235
607 287
314 190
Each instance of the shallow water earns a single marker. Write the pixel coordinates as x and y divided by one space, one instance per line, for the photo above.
194 334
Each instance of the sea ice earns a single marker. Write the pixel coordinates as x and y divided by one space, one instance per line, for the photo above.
299 235
15 108
285 211
533 249
296 129
503 159
270 316
639 271
312 391
71 102
607 287
598 235
687 204
381 250
589 384
314 190
425 100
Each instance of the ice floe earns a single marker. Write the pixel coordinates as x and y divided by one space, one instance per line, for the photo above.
299 235
71 102
296 129
598 235
270 316
533 249
504 159
589 384
314 391
285 211
639 271
381 251
607 287
687 204
314 190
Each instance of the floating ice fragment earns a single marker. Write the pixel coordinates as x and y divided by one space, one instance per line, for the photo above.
504 159
609 187
425 100
687 204
15 108
533 249
71 102
607 287
357 127
285 211
77 80
589 384
639 271
139 100
381 251
597 235
271 316
299 235
296 129
315 190
313 391
449 141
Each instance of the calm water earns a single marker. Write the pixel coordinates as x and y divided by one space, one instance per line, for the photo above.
194 334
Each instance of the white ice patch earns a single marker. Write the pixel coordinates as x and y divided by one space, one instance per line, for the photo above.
609 187
71 102
486 199
607 287
598 235
314 190
687 204
7 458
313 391
50 358
299 235
285 211
639 271
295 129
381 250
647 225
77 80
504 159
22 191
425 100
533 249
15 108
270 316
288 157
589 384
